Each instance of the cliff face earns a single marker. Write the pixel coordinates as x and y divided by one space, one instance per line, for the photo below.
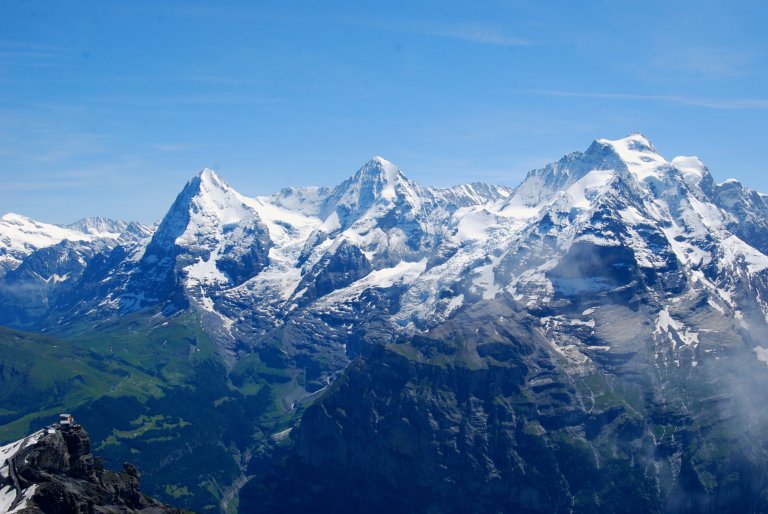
480 416
53 471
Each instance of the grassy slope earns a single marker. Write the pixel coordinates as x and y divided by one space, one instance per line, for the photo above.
136 357
151 390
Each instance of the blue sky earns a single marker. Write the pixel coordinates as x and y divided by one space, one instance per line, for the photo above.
108 107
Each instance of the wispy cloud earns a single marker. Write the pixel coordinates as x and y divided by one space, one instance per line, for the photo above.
43 185
170 147
25 45
31 64
711 103
474 33
24 53
190 99
38 138
21 53
186 77
703 61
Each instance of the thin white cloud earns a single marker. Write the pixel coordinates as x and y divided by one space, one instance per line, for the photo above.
190 99
32 64
20 53
24 53
482 34
711 103
26 45
474 33
715 62
42 185
170 147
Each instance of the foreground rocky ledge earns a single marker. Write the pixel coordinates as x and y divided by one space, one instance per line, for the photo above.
52 471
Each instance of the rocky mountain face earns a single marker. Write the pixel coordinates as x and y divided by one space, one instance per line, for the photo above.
53 471
482 414
595 333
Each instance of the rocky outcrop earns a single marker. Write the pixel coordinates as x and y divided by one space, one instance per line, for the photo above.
54 472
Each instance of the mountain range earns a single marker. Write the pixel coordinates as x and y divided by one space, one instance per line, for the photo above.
594 333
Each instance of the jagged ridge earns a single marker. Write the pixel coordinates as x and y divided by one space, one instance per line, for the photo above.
53 471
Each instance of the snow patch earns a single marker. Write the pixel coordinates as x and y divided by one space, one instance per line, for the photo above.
736 250
474 225
762 353
583 193
666 324
205 271
404 272
486 281
453 304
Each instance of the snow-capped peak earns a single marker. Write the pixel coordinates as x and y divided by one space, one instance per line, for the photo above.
379 165
638 153
204 205
99 226
208 176
376 186
638 142
730 182
211 235
207 194
12 217
381 176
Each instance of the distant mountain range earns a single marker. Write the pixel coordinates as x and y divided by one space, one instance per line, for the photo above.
597 332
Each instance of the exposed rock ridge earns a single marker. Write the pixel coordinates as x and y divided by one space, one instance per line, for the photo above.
54 472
